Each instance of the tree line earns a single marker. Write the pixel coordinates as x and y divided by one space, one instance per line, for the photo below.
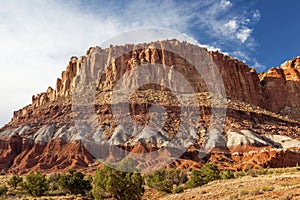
113 183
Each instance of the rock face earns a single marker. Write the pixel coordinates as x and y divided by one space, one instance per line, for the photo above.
276 90
282 86
80 120
241 82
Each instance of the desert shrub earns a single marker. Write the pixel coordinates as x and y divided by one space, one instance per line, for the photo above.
158 181
209 172
54 181
3 190
233 196
244 192
239 174
166 180
255 191
15 181
178 189
266 188
262 171
196 179
255 172
109 182
176 176
74 183
252 172
35 184
226 174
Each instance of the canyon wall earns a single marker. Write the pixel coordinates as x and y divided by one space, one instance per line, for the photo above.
265 104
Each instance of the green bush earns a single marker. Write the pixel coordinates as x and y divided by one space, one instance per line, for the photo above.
252 172
74 183
3 190
54 181
262 171
244 192
176 176
166 180
256 192
226 174
255 172
158 181
266 188
239 174
36 184
110 182
196 179
116 183
178 189
15 181
209 172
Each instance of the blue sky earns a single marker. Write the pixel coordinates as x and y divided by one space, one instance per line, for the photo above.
277 33
37 38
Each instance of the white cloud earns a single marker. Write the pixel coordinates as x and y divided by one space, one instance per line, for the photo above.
224 4
36 41
243 56
258 65
243 34
226 23
256 15
231 26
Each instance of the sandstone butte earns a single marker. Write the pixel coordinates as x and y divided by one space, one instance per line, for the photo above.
261 126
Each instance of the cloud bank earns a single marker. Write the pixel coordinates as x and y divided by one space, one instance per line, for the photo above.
38 37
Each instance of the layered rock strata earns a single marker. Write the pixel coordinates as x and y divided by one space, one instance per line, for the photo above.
260 128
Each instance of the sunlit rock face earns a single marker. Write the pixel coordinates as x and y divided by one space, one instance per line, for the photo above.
282 86
101 109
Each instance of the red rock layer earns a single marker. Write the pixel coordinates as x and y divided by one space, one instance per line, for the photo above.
251 156
19 156
281 87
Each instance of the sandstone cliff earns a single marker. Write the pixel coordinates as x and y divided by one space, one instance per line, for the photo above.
281 88
259 108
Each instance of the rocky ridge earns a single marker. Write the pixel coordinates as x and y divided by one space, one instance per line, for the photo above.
260 127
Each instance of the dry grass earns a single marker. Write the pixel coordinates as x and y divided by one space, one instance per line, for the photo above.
281 184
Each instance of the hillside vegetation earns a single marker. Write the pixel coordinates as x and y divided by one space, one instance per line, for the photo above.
207 183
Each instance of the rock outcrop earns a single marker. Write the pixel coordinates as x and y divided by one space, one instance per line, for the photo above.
101 107
281 87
